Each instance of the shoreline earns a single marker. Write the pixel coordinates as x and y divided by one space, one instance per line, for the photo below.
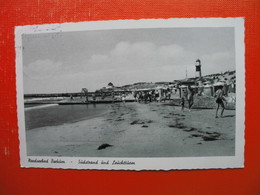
139 130
200 102
55 115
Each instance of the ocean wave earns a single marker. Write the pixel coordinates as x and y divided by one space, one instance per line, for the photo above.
41 106
42 98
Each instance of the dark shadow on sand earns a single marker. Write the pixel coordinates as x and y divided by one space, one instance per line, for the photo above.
226 116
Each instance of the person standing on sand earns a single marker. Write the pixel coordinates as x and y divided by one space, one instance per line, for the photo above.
182 103
135 96
190 94
113 96
94 97
123 98
220 101
168 94
157 96
138 97
184 98
150 95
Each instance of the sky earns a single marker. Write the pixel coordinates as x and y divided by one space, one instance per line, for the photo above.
69 61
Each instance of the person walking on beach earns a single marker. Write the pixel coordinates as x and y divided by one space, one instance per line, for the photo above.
220 101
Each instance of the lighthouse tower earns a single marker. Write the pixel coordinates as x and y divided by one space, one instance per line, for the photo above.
198 68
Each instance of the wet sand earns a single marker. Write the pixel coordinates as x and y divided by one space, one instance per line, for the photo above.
139 130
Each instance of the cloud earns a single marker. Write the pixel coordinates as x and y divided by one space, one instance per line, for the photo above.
218 56
42 69
218 62
125 63
140 55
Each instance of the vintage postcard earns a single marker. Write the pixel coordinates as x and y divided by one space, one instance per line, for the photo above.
151 94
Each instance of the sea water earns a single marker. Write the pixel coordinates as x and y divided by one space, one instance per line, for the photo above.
54 114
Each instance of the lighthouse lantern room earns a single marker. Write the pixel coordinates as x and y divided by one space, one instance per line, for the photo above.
198 68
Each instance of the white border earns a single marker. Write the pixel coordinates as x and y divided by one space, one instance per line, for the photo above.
236 161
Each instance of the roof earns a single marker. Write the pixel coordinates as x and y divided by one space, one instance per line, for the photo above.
218 83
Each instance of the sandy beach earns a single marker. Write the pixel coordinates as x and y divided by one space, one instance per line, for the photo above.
139 130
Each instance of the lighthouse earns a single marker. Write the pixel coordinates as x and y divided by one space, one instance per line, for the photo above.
198 68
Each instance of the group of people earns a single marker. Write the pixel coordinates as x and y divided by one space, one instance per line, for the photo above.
165 94
188 96
152 95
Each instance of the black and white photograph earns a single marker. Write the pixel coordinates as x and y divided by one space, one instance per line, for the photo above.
132 95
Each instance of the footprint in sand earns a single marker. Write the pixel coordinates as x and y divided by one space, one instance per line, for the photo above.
190 129
166 117
137 122
196 135
174 114
178 125
133 115
120 119
120 131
